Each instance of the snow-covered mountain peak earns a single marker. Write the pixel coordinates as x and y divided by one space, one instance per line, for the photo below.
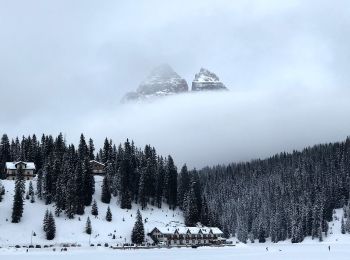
205 75
162 79
207 80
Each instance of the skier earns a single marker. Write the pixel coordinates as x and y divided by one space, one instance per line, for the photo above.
329 248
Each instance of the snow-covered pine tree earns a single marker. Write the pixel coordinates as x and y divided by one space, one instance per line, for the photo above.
183 185
347 225
46 220
191 213
32 198
91 149
30 189
342 227
108 214
88 228
204 217
94 209
142 189
70 197
39 183
18 200
2 191
170 187
89 182
80 192
51 227
106 194
160 182
138 232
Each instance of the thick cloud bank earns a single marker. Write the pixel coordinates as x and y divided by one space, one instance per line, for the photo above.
214 127
65 65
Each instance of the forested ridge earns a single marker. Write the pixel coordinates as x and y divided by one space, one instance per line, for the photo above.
64 172
287 196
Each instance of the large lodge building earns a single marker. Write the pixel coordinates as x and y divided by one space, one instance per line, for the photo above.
11 169
188 235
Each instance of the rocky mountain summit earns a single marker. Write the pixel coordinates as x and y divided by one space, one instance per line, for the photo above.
164 81
206 80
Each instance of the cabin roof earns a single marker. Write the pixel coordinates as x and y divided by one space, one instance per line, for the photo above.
96 162
27 165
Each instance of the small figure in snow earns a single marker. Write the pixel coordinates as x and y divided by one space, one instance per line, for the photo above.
267 249
329 248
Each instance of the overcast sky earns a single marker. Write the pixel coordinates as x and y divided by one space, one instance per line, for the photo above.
65 65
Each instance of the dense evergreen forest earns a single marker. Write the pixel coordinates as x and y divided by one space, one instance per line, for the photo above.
64 172
289 195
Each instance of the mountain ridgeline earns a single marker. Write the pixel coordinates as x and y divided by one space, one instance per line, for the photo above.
287 196
164 81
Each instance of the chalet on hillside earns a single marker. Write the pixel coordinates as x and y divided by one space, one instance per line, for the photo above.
188 235
98 168
11 169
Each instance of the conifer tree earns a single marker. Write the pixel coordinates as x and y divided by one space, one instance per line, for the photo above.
51 227
191 211
106 194
89 182
70 197
31 189
2 191
138 232
204 217
170 187
342 226
80 192
91 149
94 209
18 200
109 215
32 198
88 228
184 185
46 220
39 184
142 190
347 225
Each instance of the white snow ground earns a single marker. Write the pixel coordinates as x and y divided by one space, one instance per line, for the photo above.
73 231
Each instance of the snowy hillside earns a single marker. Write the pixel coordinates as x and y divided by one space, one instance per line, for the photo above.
72 230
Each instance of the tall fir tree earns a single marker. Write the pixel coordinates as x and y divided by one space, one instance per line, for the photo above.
108 214
138 231
106 193
18 199
51 227
88 228
94 209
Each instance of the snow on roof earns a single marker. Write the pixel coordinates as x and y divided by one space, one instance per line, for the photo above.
94 161
27 165
192 230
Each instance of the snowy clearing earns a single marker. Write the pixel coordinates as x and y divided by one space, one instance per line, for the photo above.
72 230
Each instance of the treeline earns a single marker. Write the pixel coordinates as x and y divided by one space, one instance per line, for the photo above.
287 196
64 174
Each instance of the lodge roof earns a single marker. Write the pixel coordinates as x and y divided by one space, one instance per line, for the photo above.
189 230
